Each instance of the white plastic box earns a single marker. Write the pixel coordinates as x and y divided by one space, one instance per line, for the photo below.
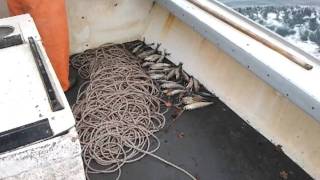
36 141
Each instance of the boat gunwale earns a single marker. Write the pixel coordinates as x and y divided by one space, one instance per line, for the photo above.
303 97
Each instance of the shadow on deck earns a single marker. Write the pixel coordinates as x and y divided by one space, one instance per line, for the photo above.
211 143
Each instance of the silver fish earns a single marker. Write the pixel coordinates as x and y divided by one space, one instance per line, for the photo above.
167 69
205 94
163 55
160 66
177 73
157 76
160 60
178 70
133 45
172 86
146 64
192 99
196 85
188 100
165 91
197 105
165 81
190 84
175 92
137 48
185 76
146 53
152 57
157 67
149 52
171 74
159 70
141 50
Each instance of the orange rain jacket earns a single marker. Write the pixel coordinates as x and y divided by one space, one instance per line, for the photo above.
51 20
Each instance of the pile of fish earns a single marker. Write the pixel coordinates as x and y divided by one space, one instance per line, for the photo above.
178 88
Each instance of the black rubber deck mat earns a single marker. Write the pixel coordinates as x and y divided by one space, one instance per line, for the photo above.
212 143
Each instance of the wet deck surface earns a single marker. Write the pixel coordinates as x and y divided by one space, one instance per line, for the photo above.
211 143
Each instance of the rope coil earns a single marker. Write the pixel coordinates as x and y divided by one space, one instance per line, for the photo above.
117 111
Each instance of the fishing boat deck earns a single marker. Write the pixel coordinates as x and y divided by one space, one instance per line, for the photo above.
211 143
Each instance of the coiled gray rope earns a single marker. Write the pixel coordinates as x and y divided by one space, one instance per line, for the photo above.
118 110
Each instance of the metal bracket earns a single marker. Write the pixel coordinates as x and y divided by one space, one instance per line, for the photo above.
55 104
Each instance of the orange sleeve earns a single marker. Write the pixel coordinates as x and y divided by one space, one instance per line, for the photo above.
51 20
